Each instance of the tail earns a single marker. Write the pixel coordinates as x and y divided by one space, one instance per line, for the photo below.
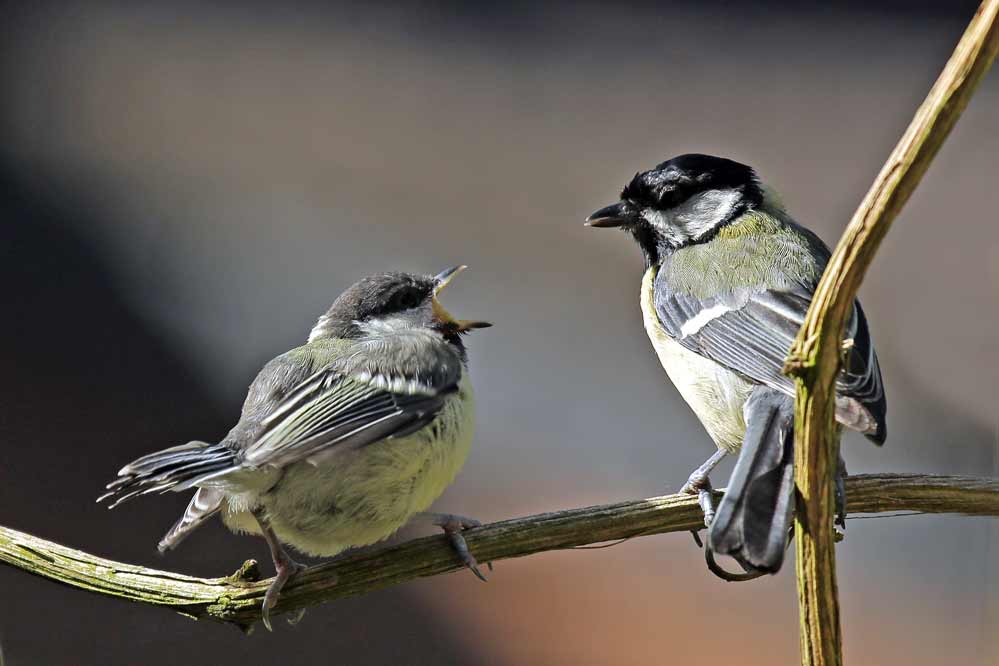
754 517
205 504
170 469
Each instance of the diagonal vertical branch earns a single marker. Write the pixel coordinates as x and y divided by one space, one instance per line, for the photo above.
815 357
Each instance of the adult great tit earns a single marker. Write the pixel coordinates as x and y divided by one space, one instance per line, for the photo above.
729 277
341 441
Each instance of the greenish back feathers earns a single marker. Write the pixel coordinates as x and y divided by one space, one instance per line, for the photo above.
319 353
761 249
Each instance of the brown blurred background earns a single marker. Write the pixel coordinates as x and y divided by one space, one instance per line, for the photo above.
184 189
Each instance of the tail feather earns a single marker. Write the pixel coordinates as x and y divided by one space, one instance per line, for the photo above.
169 469
205 504
754 517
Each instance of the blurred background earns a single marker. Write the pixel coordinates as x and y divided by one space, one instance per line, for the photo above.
184 189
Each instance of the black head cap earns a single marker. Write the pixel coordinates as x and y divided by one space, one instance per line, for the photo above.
408 299
382 295
674 181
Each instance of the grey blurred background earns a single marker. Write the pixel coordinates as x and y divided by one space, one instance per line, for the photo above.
184 189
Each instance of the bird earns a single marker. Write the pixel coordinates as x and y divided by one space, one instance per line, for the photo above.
340 441
729 276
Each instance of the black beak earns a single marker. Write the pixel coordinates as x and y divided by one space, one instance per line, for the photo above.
616 215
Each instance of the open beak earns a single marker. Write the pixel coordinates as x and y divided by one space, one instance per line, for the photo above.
616 215
442 280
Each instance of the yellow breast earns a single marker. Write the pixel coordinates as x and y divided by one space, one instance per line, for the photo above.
366 495
714 393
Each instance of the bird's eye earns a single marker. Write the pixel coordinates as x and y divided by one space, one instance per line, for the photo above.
407 298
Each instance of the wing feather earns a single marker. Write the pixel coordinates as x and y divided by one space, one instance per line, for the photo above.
751 332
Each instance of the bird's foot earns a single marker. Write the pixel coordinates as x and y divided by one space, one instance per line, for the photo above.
699 484
286 570
453 526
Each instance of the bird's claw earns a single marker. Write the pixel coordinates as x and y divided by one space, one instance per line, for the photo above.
706 499
285 572
700 485
453 527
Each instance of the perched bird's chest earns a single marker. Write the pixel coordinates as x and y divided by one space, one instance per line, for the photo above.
714 393
440 448
364 497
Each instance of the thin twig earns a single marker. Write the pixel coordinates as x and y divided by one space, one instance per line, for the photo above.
237 598
815 357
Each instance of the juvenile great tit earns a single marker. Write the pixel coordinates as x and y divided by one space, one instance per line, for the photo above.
729 277
342 440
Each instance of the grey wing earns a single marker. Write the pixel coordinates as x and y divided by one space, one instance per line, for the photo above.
340 408
751 331
335 410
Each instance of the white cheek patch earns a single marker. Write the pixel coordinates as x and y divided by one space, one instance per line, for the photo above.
657 218
697 216
663 222
703 212
702 318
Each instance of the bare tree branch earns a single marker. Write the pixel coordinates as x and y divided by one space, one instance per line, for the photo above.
237 598
815 357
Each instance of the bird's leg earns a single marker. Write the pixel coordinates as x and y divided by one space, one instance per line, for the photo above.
284 568
699 484
453 525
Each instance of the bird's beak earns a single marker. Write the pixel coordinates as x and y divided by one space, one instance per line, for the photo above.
444 317
616 215
443 278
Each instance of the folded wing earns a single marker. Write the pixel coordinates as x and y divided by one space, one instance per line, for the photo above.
750 331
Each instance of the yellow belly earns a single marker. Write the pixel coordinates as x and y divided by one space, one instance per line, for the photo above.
714 393
367 495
